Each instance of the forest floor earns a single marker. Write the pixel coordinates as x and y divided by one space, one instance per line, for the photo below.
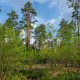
45 72
53 70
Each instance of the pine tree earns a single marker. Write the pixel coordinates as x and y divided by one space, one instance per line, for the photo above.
12 20
76 14
28 14
40 36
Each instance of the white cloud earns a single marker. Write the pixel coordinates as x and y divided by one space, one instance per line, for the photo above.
52 3
66 14
52 21
55 22
41 1
22 34
18 4
32 40
59 3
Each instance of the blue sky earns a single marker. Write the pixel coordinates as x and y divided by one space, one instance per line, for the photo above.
48 11
51 11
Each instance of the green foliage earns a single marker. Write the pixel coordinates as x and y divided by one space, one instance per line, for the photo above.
40 36
10 52
68 76
61 50
30 57
40 30
33 74
75 5
12 20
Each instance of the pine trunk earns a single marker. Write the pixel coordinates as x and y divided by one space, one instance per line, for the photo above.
25 41
28 39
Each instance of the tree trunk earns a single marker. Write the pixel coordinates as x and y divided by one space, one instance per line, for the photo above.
25 41
28 38
35 46
38 41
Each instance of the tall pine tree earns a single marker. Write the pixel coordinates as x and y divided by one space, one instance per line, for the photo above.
28 14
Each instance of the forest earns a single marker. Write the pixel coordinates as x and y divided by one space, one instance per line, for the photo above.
54 54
